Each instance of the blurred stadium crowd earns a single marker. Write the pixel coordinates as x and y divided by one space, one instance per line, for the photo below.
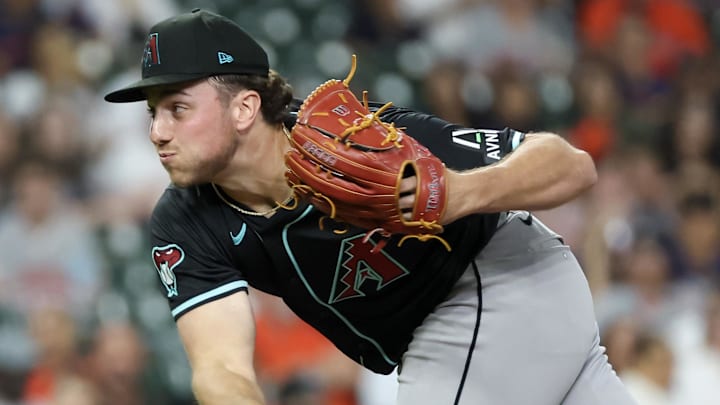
633 82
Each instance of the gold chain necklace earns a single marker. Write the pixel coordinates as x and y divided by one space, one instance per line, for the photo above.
271 210
254 213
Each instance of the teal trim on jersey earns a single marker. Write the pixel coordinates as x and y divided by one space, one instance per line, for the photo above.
516 139
317 299
235 285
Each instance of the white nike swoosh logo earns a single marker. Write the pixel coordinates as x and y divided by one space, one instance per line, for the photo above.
236 239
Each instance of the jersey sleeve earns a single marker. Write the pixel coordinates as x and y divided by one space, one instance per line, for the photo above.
192 265
460 148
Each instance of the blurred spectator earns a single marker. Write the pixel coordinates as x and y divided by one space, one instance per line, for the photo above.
698 370
10 148
48 254
300 391
653 209
693 135
516 102
18 20
513 100
55 335
649 375
521 41
599 106
698 78
648 41
381 20
117 21
699 237
442 88
608 229
619 338
646 95
125 175
279 363
75 391
645 293
513 32
116 364
695 177
56 138
677 29
54 58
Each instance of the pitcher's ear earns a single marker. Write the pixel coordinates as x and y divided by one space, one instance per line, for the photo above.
245 108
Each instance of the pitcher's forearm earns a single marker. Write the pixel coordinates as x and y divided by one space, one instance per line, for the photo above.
225 388
544 172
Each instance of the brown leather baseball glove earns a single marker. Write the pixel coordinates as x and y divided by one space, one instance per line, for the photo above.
349 164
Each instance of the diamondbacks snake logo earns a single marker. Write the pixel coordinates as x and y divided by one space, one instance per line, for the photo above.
357 266
166 259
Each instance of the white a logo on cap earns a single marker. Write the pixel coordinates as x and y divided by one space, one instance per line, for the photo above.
224 58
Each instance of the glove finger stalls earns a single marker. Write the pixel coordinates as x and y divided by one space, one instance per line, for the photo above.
341 208
381 212
343 211
336 156
341 188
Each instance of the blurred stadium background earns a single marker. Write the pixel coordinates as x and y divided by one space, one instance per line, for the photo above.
633 82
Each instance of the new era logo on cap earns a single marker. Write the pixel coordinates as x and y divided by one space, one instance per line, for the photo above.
224 57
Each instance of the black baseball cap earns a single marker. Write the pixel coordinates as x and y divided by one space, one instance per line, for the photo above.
192 46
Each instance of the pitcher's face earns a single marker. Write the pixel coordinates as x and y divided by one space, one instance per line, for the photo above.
191 130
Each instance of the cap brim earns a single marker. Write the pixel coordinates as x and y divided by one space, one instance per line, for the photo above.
136 91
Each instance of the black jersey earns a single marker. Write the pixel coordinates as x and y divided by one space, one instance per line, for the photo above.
367 303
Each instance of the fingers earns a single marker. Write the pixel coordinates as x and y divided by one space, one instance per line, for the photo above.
408 185
406 201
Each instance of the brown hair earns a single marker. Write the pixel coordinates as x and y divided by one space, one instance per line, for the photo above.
275 92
